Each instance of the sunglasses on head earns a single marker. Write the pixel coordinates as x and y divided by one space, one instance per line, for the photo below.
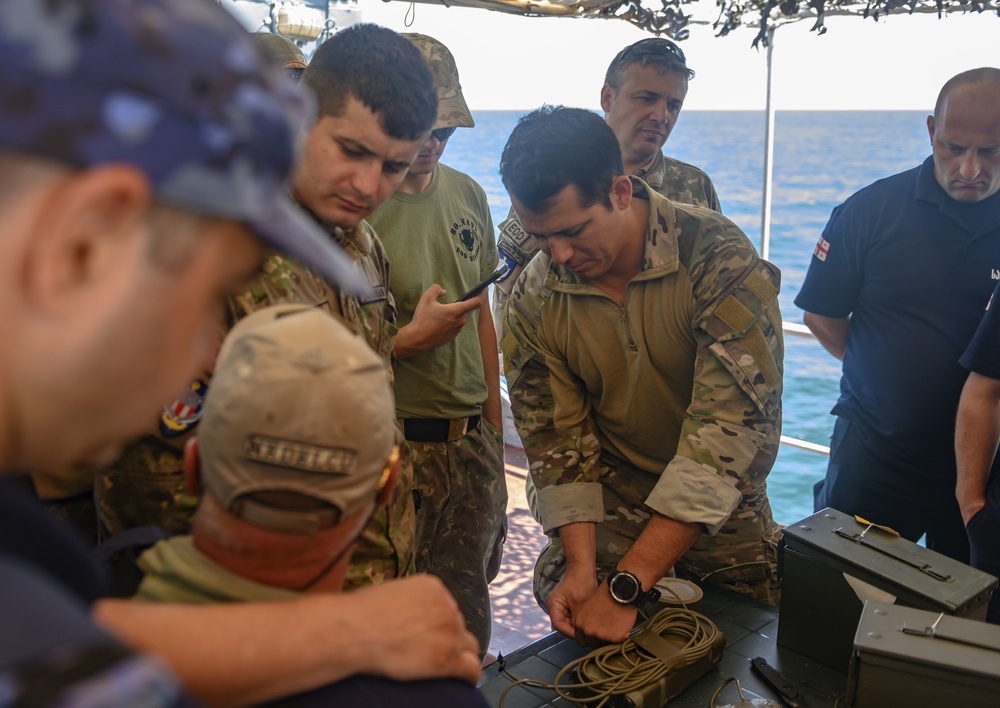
656 47
442 134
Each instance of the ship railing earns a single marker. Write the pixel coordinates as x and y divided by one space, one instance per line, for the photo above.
794 329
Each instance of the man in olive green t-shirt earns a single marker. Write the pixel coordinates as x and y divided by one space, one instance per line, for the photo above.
438 233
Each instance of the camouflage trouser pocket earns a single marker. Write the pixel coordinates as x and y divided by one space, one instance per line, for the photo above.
496 557
126 499
549 571
757 579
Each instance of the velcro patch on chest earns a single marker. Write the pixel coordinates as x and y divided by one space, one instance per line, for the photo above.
515 242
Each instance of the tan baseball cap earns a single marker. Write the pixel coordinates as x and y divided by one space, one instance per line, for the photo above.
298 430
452 109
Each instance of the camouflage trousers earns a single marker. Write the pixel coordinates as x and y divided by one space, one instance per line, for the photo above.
462 519
78 512
741 557
146 488
385 548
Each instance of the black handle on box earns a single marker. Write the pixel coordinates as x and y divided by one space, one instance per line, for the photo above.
863 540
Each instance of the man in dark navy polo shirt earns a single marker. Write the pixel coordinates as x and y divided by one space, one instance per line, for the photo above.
895 289
977 434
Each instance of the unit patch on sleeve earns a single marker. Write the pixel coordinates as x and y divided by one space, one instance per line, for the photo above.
822 249
184 413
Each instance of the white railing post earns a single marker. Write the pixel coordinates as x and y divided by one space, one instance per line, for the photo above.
765 208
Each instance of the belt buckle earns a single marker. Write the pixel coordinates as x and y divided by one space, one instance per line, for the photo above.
457 428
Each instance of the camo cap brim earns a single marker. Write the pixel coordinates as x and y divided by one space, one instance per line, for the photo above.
452 108
173 88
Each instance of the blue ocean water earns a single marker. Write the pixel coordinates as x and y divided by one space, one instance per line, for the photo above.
820 159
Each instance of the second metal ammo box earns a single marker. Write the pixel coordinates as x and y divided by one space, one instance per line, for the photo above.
820 608
906 657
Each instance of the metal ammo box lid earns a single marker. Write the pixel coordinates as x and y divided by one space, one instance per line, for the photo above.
909 657
820 608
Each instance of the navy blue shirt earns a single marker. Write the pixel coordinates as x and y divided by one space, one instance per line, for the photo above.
913 269
51 652
983 354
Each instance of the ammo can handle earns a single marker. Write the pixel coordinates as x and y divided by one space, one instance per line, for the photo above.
863 540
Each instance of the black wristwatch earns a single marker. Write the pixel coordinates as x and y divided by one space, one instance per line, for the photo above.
626 589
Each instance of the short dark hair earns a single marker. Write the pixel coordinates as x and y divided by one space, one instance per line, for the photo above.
982 75
554 147
383 71
653 51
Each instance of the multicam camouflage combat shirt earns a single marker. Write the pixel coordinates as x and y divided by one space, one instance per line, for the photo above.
684 381
285 280
680 182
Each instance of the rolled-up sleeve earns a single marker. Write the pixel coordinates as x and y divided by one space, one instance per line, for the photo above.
730 433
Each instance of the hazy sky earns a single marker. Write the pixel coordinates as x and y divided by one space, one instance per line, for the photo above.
514 62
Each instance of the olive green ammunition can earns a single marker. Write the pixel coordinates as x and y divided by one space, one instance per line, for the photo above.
821 561
909 657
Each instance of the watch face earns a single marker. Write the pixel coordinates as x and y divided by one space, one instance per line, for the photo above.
624 587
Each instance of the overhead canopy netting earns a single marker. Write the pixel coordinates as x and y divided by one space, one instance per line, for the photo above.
672 17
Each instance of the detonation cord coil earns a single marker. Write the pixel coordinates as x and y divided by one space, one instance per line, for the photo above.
640 667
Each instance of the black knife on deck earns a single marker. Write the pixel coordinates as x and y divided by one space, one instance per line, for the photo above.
776 681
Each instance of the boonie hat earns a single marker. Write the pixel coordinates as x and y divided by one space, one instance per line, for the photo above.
453 112
283 52
298 404
174 88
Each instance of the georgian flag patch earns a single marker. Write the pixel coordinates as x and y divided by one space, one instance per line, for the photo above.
822 248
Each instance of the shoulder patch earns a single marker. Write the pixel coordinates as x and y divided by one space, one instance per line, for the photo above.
822 249
515 242
510 264
183 414
746 324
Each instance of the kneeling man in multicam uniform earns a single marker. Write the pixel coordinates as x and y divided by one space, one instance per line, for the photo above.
644 360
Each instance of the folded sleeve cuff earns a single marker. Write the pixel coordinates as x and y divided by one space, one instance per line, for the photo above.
694 493
562 504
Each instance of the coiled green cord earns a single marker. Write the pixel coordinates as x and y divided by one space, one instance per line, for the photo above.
628 666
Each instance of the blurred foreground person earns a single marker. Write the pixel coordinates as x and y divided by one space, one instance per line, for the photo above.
136 195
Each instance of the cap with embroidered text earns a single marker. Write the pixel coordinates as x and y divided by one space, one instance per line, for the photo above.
298 429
